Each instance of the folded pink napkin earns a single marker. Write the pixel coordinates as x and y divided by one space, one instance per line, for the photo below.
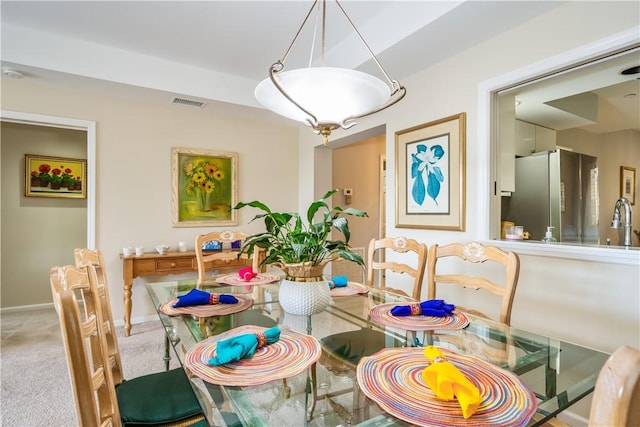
247 273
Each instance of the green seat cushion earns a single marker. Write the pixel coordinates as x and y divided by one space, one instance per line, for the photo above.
158 398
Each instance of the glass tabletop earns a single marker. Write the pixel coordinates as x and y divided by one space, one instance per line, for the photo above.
558 373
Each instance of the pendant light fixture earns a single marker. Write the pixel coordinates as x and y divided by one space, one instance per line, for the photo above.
326 98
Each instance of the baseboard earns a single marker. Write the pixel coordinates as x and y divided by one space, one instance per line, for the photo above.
135 320
20 308
34 307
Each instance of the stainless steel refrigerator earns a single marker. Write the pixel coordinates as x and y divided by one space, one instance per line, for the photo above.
558 189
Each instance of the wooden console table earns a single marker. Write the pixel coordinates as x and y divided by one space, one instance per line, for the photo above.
170 263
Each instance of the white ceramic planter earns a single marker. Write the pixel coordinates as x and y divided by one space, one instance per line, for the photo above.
304 298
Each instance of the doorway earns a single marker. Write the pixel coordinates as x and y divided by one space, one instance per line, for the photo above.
38 232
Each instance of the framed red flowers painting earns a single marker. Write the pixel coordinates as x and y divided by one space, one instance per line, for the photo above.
204 187
49 176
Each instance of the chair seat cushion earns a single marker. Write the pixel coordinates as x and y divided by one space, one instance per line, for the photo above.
158 398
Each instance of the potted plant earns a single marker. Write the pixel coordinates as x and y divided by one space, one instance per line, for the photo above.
301 247
55 179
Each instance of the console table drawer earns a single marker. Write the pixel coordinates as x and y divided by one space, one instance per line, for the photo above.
171 264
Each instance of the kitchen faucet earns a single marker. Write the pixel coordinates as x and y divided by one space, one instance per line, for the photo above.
615 222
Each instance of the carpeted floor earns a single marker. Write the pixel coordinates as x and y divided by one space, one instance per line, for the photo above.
35 387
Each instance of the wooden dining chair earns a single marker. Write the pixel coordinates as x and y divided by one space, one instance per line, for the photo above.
86 257
475 253
164 399
380 270
342 352
616 395
225 240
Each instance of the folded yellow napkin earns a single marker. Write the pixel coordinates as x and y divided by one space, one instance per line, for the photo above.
446 381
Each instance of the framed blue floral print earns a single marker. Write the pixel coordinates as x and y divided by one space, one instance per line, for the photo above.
430 175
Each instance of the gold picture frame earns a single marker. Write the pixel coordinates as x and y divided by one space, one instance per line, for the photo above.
628 183
204 187
53 176
430 175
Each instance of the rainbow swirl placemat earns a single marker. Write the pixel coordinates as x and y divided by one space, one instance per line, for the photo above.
352 288
235 280
244 302
287 357
392 378
381 314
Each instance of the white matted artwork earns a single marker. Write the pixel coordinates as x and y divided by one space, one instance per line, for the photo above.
430 175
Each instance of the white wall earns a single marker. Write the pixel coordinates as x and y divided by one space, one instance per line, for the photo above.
555 296
133 182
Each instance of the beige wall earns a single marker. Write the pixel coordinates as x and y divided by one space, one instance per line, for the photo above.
133 181
357 166
37 232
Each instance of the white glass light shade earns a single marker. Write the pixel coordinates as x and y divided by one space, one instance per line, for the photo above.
331 94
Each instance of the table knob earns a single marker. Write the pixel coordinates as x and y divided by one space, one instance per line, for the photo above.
173 265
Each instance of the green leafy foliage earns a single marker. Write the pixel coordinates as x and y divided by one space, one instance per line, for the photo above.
289 239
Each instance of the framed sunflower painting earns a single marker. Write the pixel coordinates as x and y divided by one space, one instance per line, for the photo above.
204 187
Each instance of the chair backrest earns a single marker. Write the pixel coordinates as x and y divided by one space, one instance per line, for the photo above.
226 239
474 252
87 257
616 397
85 346
353 271
377 265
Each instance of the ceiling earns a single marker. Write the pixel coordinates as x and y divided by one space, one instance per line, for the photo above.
218 51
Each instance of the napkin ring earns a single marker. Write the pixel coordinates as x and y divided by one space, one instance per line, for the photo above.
415 309
262 339
214 299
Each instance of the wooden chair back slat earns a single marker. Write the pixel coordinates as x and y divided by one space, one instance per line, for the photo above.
402 245
87 257
475 253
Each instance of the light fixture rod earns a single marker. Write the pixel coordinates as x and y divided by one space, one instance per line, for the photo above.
365 44
295 38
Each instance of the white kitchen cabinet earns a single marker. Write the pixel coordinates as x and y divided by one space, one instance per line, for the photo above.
532 138
506 138
545 139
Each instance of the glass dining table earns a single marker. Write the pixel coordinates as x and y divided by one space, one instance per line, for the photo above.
556 373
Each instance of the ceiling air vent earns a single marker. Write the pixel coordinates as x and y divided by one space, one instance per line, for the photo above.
187 102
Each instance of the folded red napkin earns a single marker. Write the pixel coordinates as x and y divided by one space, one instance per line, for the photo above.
198 297
247 273
447 382
434 307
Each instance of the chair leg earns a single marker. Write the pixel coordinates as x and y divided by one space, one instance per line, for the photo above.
286 389
167 354
312 391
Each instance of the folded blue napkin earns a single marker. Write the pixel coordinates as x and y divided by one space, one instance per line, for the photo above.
198 297
241 346
338 282
434 307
